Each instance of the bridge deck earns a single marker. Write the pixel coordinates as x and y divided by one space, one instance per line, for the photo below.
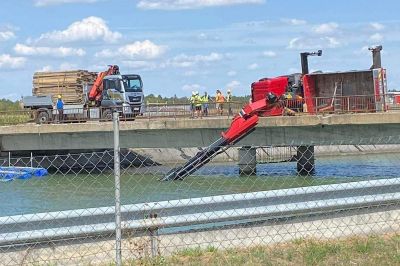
171 133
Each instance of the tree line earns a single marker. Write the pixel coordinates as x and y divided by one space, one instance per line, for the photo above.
6 104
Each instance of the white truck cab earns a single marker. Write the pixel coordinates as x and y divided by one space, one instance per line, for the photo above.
128 89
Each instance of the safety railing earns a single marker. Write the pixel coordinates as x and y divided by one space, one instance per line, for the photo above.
149 111
345 104
200 110
314 106
393 101
48 227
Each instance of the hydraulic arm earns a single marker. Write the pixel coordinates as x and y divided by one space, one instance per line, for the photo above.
96 91
242 125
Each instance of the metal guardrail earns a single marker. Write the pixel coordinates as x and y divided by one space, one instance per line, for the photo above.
318 105
152 216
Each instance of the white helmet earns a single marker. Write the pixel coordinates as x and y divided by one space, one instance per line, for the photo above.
193 93
229 90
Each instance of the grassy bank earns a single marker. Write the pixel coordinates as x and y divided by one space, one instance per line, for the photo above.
373 250
10 118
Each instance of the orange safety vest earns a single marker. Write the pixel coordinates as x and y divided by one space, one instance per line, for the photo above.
220 98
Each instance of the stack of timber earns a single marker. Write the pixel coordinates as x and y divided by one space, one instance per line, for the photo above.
69 84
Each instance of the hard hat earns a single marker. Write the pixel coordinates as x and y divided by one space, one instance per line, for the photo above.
197 93
59 97
228 90
193 93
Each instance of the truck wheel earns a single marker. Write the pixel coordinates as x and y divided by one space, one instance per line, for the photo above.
42 117
107 115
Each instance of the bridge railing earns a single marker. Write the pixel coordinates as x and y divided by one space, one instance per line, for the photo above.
102 114
229 109
314 106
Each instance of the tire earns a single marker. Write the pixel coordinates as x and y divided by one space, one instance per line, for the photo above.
107 115
42 117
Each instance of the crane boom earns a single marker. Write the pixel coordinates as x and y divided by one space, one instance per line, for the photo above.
242 125
96 91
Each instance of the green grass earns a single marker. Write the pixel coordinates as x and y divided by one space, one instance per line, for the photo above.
372 250
13 119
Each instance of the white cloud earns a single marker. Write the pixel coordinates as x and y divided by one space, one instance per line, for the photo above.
234 84
377 26
365 50
294 21
332 42
269 53
68 66
42 3
326 28
6 35
45 68
8 61
377 37
191 87
184 60
206 37
252 66
87 29
136 50
231 73
191 4
48 51
313 43
139 64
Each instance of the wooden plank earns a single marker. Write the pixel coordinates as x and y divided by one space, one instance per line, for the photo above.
67 83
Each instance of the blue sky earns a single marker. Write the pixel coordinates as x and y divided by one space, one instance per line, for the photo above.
182 45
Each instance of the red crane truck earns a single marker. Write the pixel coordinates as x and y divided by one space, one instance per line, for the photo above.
269 96
349 91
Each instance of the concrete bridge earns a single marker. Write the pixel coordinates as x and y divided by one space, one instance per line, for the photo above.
371 128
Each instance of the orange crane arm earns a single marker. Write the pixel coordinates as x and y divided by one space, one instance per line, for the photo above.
96 91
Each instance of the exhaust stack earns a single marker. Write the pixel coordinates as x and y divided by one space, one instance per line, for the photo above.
376 56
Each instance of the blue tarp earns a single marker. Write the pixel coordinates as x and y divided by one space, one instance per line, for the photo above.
10 173
32 170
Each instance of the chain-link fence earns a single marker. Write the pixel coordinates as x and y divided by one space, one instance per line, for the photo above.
61 208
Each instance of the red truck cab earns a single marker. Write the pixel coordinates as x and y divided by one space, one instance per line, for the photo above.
278 86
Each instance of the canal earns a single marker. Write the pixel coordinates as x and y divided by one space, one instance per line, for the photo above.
76 190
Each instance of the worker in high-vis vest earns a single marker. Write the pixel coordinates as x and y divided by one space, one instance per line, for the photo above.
197 104
220 99
192 101
206 99
229 101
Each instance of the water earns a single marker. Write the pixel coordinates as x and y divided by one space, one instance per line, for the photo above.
63 192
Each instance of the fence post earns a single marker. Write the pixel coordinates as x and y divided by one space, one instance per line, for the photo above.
9 159
118 234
